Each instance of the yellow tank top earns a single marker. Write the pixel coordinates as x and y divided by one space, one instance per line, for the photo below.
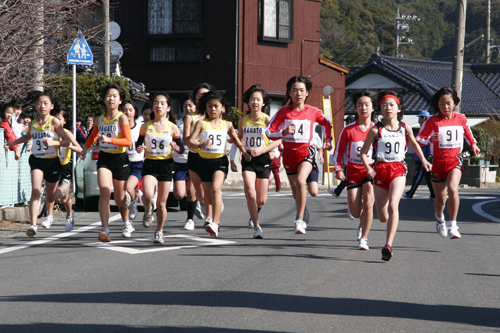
111 129
195 118
254 132
218 138
158 142
64 153
38 133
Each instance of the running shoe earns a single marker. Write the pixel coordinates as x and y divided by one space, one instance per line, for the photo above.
363 244
359 232
70 221
128 200
441 226
31 232
453 232
257 233
207 222
350 215
47 222
405 195
158 238
386 253
307 217
147 219
132 210
300 227
213 229
189 224
250 224
332 192
104 235
198 212
128 229
430 198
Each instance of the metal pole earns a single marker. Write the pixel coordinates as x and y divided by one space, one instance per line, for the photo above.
488 36
105 5
458 59
398 37
74 126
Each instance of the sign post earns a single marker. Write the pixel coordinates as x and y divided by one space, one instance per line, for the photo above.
78 54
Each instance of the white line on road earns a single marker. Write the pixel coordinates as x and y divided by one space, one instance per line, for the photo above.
478 210
56 237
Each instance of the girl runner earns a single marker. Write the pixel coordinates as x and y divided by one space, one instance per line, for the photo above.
445 132
136 159
213 131
390 138
182 181
295 123
252 131
46 132
113 132
360 196
161 137
66 168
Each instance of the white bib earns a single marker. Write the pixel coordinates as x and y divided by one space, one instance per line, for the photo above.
451 137
302 130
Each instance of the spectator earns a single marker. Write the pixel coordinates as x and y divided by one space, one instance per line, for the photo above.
7 114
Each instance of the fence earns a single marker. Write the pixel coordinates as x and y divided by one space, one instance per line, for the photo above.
15 176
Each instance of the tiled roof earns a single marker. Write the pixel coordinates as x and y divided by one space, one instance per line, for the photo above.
422 78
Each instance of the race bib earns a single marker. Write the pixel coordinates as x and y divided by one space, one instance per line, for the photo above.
252 140
451 137
355 151
39 150
217 139
391 149
109 146
158 145
302 130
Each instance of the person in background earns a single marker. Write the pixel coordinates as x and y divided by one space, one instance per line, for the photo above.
276 165
338 190
88 126
7 116
419 170
81 136
18 109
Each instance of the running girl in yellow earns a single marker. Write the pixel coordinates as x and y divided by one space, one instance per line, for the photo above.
161 136
46 132
113 132
213 131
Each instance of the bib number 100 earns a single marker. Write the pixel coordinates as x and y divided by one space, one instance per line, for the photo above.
253 142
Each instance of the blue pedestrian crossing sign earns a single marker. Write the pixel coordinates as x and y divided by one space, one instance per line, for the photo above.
80 53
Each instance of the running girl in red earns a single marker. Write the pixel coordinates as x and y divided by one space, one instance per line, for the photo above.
360 195
390 138
446 131
295 124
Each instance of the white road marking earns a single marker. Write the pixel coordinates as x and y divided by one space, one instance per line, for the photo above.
56 237
158 247
478 210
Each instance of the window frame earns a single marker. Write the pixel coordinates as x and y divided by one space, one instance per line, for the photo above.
261 18
173 35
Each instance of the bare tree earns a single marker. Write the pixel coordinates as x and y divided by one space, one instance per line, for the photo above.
35 36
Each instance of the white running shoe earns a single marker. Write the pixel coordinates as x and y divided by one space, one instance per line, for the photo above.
198 211
307 217
128 200
147 219
158 237
189 224
31 232
332 192
104 235
250 224
132 210
207 222
128 229
363 244
359 232
350 215
300 227
70 221
213 229
453 232
47 222
441 226
257 233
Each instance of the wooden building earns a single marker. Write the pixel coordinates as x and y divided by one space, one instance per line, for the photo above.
172 45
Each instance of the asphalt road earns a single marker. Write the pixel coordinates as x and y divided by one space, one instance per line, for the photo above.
317 282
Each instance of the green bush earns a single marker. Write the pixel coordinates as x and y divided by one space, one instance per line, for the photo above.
236 114
88 91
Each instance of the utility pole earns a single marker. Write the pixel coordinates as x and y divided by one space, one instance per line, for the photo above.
403 27
39 63
105 4
458 59
488 36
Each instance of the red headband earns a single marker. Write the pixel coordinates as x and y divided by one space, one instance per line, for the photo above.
389 96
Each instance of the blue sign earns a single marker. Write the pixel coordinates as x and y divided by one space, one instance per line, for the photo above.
80 53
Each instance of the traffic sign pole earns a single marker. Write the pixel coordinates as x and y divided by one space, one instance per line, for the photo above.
74 126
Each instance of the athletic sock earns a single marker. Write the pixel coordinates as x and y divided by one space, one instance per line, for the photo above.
452 223
191 209
299 218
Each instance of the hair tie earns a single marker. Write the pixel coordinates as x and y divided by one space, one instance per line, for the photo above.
389 96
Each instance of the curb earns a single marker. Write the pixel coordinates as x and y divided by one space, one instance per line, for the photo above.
15 214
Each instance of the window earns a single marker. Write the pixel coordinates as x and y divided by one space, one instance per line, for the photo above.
174 17
276 20
175 53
